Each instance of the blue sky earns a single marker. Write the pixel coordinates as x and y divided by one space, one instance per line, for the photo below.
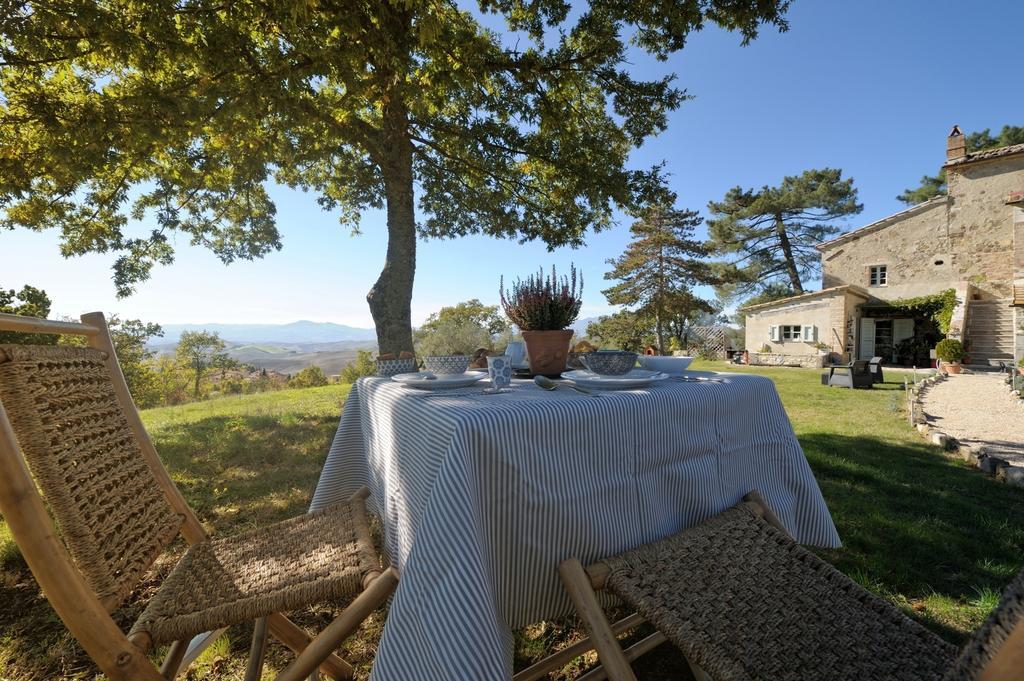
870 87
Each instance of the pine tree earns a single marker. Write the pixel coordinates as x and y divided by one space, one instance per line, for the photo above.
771 233
659 269
935 185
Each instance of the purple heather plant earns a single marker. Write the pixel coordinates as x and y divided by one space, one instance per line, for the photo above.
543 303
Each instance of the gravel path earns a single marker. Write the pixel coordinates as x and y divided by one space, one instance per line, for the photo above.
977 409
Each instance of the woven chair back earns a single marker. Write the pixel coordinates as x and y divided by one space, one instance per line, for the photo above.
111 512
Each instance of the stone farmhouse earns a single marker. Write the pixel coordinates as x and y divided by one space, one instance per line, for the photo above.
970 241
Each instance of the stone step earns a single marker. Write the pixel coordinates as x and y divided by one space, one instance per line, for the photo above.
977 341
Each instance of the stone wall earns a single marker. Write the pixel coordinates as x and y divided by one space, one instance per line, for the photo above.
916 252
833 314
815 361
969 237
980 222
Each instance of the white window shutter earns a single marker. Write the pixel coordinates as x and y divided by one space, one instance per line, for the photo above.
810 333
773 333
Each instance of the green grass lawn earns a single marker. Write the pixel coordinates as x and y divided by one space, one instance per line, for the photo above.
921 529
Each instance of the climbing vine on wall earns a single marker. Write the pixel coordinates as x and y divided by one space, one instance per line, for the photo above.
938 306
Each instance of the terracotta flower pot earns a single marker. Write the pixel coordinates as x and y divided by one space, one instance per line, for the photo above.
951 367
547 350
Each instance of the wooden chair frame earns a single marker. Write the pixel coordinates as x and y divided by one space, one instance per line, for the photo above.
582 583
120 658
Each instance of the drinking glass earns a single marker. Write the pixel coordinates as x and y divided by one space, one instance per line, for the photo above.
516 353
499 370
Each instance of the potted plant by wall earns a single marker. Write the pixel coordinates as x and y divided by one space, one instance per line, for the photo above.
543 307
951 352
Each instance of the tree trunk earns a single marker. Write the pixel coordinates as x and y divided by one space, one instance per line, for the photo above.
787 252
390 298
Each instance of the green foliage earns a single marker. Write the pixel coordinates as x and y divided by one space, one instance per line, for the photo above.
122 111
471 311
935 185
950 350
936 306
172 380
659 269
28 302
452 337
623 330
200 350
362 365
930 187
461 329
130 337
771 233
543 303
309 377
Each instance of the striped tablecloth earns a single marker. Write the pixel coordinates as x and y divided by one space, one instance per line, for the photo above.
482 496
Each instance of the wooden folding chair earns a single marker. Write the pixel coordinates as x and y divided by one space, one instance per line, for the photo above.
744 602
72 443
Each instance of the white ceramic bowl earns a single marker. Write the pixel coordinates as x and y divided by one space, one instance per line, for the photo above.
669 365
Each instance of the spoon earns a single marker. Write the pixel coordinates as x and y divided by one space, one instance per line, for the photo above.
546 383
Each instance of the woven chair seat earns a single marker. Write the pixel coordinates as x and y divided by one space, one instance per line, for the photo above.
745 602
286 566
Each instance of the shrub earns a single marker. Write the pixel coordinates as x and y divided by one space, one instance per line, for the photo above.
362 365
452 337
949 350
310 377
543 303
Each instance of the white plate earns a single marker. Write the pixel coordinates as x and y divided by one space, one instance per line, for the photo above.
637 378
440 381
673 366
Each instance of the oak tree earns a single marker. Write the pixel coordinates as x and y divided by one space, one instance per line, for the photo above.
27 302
623 330
199 350
124 122
770 234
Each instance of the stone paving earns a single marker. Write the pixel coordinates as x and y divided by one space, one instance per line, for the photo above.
978 409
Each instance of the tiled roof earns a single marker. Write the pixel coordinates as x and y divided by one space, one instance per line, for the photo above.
856 290
987 154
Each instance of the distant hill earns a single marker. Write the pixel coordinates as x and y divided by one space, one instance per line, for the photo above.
580 325
301 332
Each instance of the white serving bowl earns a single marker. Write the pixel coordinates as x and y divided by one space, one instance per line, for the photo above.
668 365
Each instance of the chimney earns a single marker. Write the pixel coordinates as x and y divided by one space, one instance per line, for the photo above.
956 144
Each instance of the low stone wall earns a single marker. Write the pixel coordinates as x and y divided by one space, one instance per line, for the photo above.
771 359
975 455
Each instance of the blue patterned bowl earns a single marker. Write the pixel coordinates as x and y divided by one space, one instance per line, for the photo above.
447 364
609 362
390 367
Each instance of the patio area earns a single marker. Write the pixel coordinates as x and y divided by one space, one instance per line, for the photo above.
917 527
